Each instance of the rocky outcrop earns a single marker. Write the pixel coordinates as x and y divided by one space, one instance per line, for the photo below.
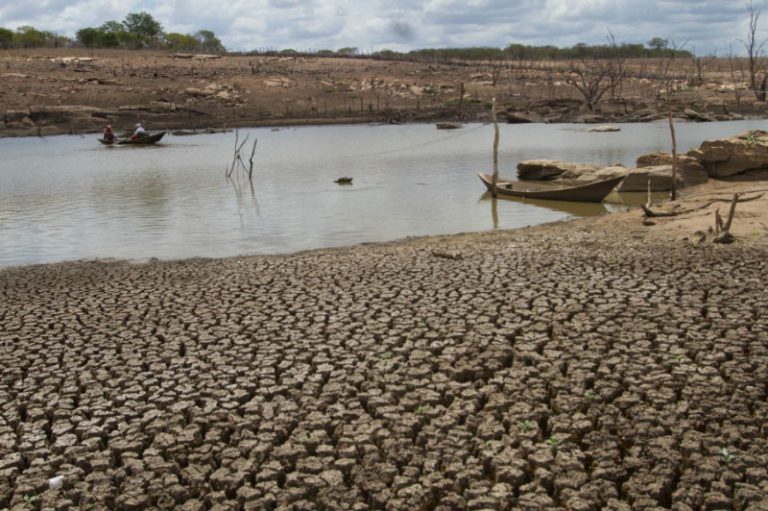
522 117
655 167
550 170
692 172
543 170
660 177
735 155
693 115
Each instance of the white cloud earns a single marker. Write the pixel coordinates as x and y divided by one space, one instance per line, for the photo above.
369 25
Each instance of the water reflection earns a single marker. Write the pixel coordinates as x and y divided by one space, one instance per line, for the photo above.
570 208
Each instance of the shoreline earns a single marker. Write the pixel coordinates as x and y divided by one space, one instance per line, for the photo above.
623 219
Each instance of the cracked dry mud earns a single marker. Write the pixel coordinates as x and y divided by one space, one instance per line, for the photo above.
544 369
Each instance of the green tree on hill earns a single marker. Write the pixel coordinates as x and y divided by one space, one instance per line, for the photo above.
143 27
27 36
209 42
657 43
89 37
181 42
6 38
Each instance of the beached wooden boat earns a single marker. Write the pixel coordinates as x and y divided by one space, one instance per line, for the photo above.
149 139
589 192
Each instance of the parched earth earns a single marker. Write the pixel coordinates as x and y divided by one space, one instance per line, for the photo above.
564 367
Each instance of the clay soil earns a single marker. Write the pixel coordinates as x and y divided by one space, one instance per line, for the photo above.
76 90
594 364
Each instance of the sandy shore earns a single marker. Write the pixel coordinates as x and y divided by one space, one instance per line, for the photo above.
598 363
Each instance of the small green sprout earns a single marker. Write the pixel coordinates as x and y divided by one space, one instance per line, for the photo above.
726 456
420 409
751 139
589 396
30 499
525 426
554 443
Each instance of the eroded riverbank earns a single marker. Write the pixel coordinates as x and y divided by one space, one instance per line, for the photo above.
585 364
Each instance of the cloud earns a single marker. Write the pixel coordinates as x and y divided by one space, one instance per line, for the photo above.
707 25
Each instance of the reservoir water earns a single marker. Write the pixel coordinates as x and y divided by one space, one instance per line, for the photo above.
67 197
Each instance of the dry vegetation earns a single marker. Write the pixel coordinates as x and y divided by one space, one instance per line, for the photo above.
52 91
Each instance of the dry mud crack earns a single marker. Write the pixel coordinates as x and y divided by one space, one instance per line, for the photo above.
550 369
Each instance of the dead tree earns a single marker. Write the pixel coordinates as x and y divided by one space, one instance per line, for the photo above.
737 76
754 49
667 78
618 58
237 157
592 79
723 231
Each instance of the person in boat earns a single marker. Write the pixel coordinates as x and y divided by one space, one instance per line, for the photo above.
108 135
139 132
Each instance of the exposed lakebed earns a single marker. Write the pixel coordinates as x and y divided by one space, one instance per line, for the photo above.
67 198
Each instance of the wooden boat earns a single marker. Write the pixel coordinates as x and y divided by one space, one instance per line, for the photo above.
149 139
589 192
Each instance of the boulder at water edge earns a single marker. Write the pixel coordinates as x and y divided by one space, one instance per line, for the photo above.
544 170
735 155
660 177
692 172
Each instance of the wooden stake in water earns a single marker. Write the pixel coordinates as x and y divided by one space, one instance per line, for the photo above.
495 178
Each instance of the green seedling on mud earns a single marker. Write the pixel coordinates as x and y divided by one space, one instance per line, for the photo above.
30 499
726 456
525 426
589 396
751 139
420 409
554 443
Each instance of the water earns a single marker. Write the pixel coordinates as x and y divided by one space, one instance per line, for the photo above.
67 198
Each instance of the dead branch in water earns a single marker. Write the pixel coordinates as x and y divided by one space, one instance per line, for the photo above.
238 158
725 236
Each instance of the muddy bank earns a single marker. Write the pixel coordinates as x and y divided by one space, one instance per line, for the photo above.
53 91
559 366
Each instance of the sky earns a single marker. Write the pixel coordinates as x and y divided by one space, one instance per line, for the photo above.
705 26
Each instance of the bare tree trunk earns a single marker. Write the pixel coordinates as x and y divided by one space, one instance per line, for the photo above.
495 178
674 141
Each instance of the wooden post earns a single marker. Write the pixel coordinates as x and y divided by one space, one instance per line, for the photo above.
495 178
674 140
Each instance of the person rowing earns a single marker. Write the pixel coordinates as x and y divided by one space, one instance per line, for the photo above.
108 135
139 132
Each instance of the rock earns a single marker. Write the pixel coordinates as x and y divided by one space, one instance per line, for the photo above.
691 170
645 115
608 128
522 117
277 82
550 169
696 116
599 174
448 125
660 177
735 155
590 119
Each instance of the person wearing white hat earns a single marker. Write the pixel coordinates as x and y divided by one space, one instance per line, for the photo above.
139 132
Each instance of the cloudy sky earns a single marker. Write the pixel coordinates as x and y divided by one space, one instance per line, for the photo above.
706 25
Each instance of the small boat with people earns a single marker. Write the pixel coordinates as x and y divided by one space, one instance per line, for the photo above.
594 191
138 137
